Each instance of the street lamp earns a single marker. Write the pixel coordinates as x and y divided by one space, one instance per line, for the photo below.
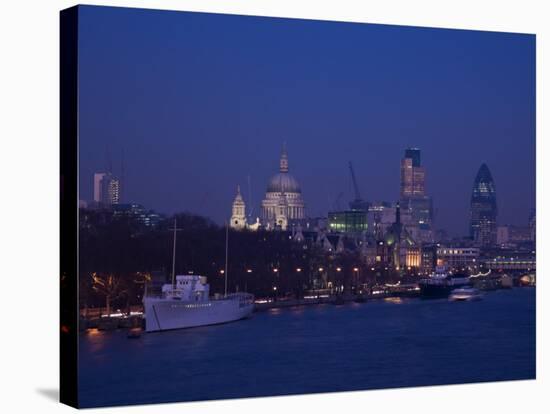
356 278
298 269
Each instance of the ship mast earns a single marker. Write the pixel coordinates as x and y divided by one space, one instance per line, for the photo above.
174 256
226 251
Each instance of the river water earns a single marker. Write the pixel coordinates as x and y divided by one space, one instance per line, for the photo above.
378 344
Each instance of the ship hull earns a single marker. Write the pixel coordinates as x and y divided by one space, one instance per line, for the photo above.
439 290
168 314
429 291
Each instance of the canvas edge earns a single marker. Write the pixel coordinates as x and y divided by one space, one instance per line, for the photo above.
68 385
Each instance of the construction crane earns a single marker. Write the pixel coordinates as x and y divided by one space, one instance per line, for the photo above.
358 203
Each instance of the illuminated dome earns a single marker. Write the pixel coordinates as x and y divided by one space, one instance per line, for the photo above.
283 199
283 182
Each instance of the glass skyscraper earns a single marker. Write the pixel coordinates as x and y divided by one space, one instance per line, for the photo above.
413 175
413 194
483 210
414 155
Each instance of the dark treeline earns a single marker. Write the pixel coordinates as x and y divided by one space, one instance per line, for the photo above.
118 255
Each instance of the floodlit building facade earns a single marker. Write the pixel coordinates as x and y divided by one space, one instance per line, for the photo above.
106 189
457 258
238 212
349 221
283 202
413 195
413 175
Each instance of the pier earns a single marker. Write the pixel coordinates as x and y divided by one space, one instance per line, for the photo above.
133 317
97 320
332 299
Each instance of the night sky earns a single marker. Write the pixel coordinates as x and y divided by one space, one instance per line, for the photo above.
199 102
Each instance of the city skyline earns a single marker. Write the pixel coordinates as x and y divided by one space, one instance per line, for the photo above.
388 89
344 206
263 184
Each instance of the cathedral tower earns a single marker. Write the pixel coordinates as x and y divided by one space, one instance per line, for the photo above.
238 215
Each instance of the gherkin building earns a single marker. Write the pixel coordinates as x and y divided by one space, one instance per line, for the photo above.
483 209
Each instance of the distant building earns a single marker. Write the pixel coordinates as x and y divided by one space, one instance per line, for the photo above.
413 175
483 209
413 196
413 257
421 209
136 212
398 242
381 216
238 213
283 203
98 193
519 234
513 235
349 221
512 263
457 258
503 235
106 189
238 220
82 204
429 258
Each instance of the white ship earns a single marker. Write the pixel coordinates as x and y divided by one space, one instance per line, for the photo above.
186 303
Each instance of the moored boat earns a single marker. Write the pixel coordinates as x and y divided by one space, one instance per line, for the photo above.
188 305
186 302
441 283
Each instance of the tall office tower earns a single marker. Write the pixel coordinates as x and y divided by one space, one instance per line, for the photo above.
414 155
413 175
483 209
106 189
413 195
98 177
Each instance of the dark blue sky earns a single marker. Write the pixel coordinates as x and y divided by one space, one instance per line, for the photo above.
198 102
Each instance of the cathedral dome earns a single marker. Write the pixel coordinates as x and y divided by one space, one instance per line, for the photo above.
283 200
283 182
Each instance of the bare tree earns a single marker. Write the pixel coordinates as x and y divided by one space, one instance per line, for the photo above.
110 286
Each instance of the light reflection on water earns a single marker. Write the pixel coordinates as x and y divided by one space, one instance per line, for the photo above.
317 349
394 300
